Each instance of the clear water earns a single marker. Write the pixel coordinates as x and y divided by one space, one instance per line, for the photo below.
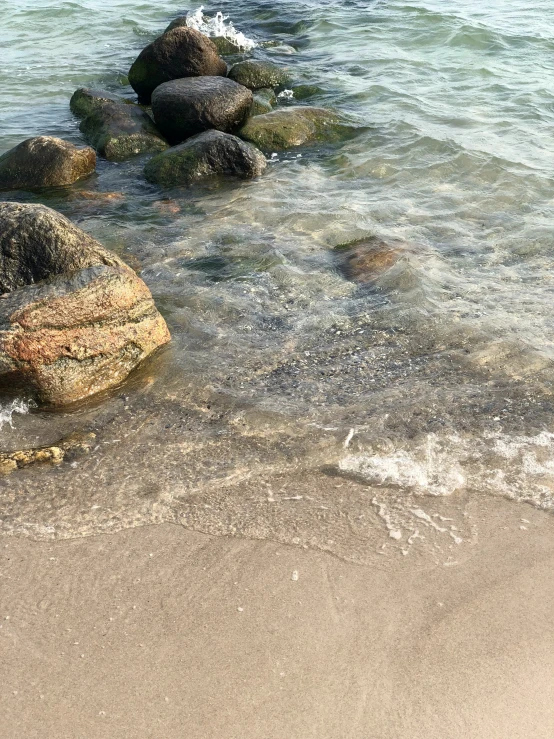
435 381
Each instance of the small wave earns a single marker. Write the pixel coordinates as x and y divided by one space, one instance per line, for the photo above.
517 467
218 25
7 411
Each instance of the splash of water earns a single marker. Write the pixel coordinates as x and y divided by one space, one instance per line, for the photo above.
516 467
7 411
218 26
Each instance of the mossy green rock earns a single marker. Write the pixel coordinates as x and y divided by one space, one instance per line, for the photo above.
118 129
283 129
264 100
255 74
85 101
208 154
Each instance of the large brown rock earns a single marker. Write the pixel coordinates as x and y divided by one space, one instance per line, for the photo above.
83 329
117 128
75 336
183 108
181 52
364 260
45 161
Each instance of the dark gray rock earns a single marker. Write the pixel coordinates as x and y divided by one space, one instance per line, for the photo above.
118 129
36 243
183 108
181 52
205 155
45 161
256 74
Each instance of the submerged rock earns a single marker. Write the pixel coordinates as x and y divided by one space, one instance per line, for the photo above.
71 446
263 101
181 52
86 327
45 161
206 155
117 129
296 126
256 74
185 107
365 259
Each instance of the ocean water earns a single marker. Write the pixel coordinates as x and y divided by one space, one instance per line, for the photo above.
433 382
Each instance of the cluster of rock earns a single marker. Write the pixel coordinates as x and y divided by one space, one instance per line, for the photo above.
74 318
192 94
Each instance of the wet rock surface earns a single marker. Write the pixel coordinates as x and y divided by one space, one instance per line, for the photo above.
178 53
117 129
77 335
296 126
365 259
205 155
73 445
86 324
222 44
264 100
45 161
37 243
185 107
256 74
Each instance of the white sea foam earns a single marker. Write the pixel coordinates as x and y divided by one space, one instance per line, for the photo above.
7 411
517 467
218 25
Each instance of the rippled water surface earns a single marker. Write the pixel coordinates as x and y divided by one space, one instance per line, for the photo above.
434 380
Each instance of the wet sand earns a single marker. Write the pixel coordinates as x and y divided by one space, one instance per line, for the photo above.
162 632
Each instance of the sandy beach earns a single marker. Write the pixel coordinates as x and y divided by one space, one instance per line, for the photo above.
162 632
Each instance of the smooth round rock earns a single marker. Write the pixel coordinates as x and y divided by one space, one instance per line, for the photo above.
181 52
183 108
205 155
255 74
45 161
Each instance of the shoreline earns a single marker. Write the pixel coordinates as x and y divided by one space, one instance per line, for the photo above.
163 632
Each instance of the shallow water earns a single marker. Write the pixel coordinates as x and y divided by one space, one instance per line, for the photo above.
434 381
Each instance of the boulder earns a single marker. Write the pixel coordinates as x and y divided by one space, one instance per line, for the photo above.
205 155
296 126
74 318
183 108
256 74
45 161
365 259
181 52
36 243
117 129
77 335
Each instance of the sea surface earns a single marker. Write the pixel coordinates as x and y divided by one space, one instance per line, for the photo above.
292 403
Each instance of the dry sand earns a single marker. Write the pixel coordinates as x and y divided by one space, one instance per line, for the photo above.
159 632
